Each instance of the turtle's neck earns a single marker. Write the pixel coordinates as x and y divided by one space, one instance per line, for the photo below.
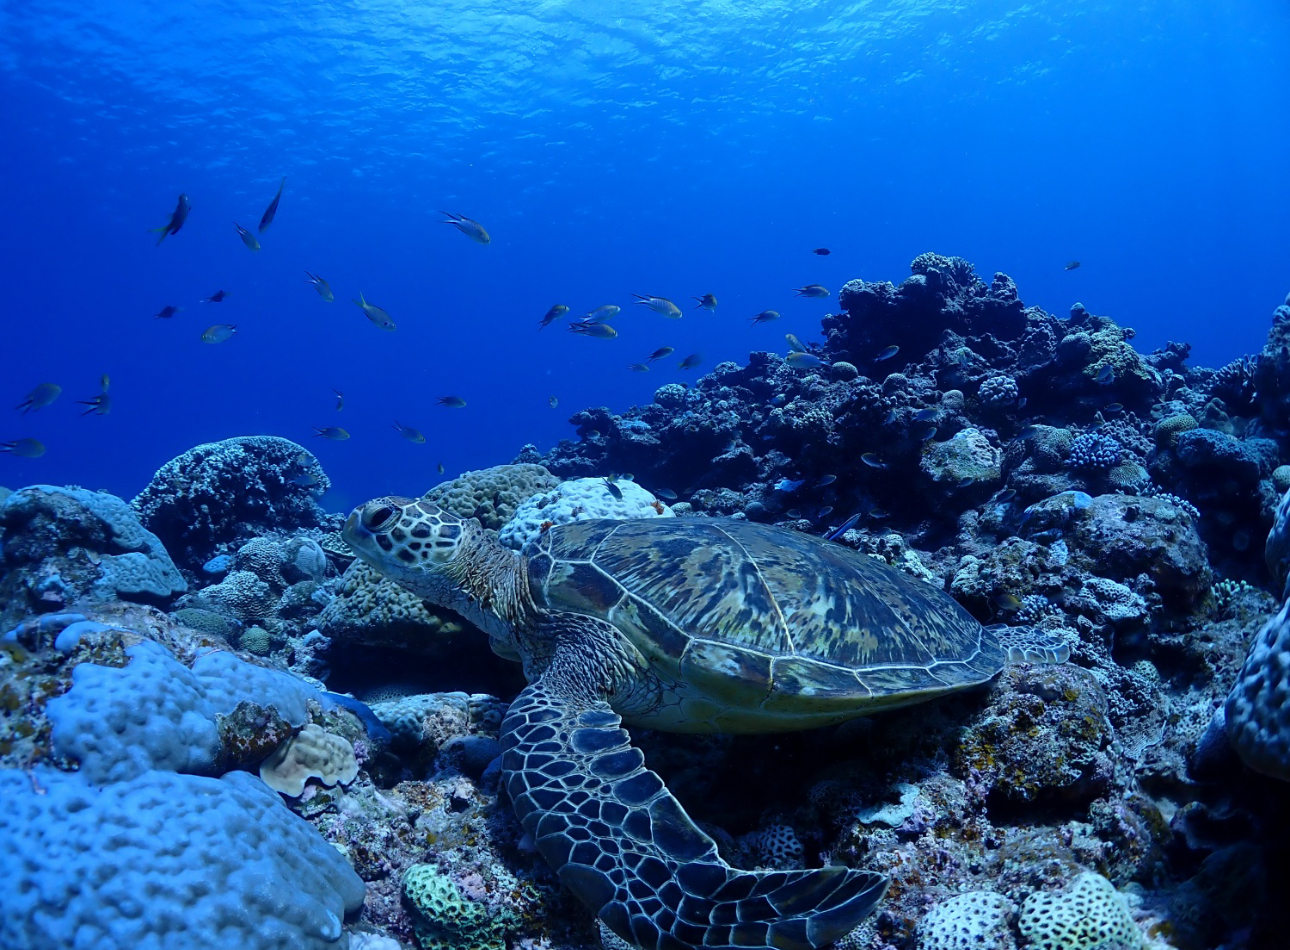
491 587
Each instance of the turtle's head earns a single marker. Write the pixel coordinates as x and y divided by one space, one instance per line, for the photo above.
408 540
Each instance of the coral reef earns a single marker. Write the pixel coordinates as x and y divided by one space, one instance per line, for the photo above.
67 546
218 495
1035 466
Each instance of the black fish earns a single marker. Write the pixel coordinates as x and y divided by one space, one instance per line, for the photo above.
270 211
1072 265
822 251
613 490
216 297
177 219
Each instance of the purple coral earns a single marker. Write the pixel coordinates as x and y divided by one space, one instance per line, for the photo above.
1094 451
998 391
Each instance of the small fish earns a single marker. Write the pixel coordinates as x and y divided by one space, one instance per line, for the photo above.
166 312
706 302
374 313
335 433
638 367
660 305
765 317
878 513
439 468
666 494
451 402
886 353
1105 374
1006 496
105 383
219 333
1021 403
553 402
824 512
789 484
177 219
822 251
340 399
1028 432
597 331
691 361
777 400
472 229
842 529
304 480
811 290
247 237
25 448
803 361
320 285
99 405
216 297
890 417
602 313
409 433
826 481
661 352
555 313
927 415
873 460
967 481
1071 265
613 489
267 218
1008 602
794 344
793 513
1114 407
40 397
922 431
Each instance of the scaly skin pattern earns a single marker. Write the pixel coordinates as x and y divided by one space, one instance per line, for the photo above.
620 841
614 834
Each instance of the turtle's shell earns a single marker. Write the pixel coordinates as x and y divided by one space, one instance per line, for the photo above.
761 627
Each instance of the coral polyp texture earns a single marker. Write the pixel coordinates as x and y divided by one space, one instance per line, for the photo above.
219 729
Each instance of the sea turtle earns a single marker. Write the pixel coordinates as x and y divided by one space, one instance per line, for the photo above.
685 625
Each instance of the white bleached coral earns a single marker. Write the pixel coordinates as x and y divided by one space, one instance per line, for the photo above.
581 499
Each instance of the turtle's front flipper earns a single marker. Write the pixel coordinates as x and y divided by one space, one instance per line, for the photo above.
619 840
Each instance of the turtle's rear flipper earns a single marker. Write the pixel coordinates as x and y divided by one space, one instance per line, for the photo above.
619 840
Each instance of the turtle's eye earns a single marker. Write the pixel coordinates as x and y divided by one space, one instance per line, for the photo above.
380 517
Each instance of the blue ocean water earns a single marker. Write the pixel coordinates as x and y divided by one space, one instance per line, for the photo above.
610 148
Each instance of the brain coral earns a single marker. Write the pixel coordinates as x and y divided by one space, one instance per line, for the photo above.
492 494
973 921
1257 712
445 919
223 493
1089 915
369 609
164 860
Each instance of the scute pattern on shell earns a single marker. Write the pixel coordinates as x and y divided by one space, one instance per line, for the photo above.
794 600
